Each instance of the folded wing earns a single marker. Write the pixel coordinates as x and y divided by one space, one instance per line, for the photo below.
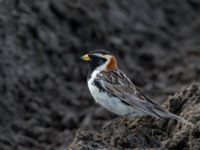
117 84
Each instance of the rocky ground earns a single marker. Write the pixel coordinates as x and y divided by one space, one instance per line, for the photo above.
148 133
43 94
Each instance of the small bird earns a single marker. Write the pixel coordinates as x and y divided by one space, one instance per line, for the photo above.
112 89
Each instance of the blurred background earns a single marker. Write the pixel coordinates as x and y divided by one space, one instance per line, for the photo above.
44 96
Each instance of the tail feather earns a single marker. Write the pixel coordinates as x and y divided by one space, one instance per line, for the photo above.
165 114
159 112
178 118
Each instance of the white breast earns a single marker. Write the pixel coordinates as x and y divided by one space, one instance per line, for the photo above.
111 103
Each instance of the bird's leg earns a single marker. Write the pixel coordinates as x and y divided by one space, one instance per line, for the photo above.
123 119
111 121
126 117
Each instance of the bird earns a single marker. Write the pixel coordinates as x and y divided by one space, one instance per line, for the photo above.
112 89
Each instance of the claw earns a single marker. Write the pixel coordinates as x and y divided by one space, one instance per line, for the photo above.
111 121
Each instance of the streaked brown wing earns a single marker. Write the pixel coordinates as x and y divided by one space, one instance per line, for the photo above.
116 83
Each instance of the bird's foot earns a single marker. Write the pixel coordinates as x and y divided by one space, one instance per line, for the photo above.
111 121
122 120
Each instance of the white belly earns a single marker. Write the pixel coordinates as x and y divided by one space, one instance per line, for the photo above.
111 103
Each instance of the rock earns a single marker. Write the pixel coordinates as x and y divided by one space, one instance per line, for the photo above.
147 132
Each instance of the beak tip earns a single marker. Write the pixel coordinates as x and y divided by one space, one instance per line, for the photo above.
85 57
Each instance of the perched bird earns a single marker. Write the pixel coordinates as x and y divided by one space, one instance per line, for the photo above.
112 89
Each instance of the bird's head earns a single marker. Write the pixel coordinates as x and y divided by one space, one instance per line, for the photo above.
100 60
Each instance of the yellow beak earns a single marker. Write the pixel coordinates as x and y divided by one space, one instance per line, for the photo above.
86 57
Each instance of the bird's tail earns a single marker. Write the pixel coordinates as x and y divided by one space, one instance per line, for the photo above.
178 118
173 116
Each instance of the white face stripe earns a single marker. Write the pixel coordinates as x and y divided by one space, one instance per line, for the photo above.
103 55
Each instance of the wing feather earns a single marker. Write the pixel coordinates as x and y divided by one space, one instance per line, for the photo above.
117 84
